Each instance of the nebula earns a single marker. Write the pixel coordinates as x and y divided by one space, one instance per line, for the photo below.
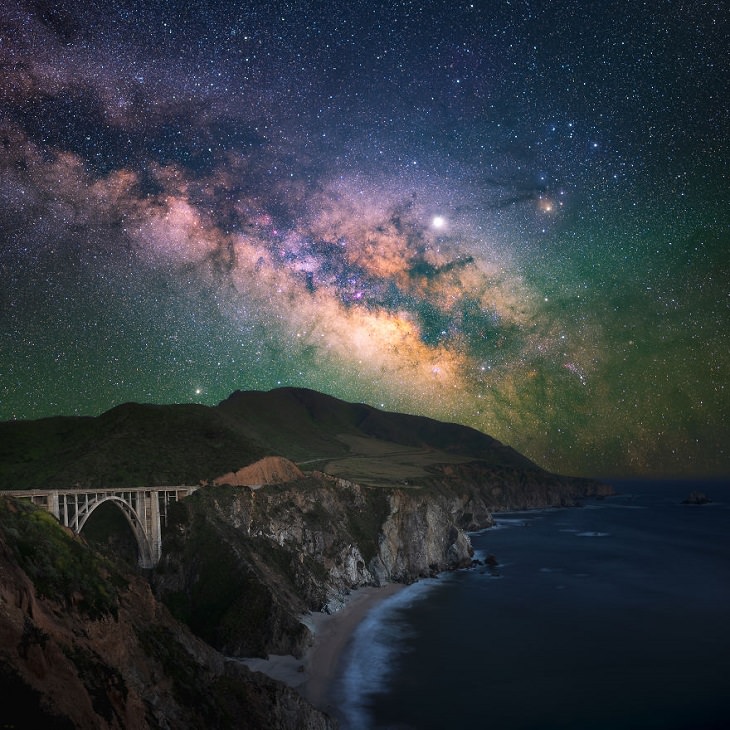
475 223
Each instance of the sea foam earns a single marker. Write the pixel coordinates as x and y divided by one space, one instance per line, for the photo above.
373 653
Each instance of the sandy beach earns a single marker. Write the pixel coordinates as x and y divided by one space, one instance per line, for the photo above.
314 674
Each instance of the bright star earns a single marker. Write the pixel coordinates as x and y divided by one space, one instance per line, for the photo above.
438 221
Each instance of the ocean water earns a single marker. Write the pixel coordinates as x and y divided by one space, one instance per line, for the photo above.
615 615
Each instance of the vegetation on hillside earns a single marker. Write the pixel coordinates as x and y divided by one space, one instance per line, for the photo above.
164 445
61 567
131 445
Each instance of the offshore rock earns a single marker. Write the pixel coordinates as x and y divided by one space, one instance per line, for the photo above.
697 498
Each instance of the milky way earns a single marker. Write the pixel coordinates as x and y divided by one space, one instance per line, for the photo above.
513 216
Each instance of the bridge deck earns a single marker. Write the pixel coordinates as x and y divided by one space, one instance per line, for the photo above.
144 507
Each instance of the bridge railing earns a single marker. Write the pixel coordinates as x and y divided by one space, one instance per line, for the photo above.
145 508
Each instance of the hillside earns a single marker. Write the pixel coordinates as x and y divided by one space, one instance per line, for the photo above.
86 646
145 445
130 445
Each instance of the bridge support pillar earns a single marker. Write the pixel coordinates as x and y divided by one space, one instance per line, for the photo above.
140 506
154 533
53 507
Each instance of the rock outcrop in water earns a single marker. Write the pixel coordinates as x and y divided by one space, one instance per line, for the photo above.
697 498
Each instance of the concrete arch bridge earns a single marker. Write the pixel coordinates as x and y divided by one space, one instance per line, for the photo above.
145 509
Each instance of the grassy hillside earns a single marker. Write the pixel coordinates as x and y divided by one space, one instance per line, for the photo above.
147 445
131 445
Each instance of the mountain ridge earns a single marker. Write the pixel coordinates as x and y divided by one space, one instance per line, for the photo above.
137 444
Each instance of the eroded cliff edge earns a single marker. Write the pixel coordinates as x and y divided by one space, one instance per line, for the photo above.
85 645
391 498
241 566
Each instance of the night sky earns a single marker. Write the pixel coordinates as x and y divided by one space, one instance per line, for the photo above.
512 214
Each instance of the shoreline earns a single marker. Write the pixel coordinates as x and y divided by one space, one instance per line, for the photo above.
315 674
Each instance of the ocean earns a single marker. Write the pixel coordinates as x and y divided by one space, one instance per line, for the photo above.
613 615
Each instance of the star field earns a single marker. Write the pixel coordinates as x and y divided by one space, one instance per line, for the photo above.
512 215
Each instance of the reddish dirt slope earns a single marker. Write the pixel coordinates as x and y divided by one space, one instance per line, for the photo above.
269 470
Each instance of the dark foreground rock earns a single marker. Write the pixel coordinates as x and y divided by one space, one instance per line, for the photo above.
85 646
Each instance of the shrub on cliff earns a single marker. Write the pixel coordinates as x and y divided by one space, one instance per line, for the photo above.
59 564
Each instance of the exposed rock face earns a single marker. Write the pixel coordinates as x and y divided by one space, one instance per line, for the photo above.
241 567
284 550
419 537
85 646
73 660
499 488
281 551
269 470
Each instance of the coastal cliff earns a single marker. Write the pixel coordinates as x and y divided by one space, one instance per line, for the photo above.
87 643
242 566
302 500
86 646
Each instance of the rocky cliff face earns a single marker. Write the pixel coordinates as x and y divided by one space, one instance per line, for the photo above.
500 488
85 643
85 647
241 566
420 537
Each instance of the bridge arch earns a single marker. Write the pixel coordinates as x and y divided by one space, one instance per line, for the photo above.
144 548
145 509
